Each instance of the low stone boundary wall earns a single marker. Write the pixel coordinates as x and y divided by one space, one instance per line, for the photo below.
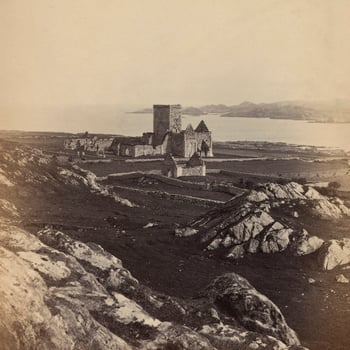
213 187
170 196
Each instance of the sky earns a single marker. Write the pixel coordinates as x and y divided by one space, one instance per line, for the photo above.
193 52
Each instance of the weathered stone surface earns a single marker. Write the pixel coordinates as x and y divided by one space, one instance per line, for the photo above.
226 337
341 279
58 293
253 246
237 252
249 307
334 253
185 232
176 337
250 226
256 222
289 191
307 245
16 239
257 196
276 238
311 193
30 322
325 209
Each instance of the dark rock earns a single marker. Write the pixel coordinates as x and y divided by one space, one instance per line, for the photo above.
237 298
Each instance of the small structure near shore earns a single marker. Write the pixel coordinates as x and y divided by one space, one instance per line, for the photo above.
195 166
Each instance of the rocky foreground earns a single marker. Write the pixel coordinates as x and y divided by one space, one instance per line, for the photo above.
57 293
60 293
266 220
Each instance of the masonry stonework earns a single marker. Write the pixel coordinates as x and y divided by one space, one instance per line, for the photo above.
194 167
167 137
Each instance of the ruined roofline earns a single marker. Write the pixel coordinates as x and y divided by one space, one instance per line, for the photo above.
155 144
202 127
189 128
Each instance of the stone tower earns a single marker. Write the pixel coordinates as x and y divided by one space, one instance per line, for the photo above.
166 118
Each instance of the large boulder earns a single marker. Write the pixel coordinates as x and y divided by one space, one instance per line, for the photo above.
179 338
325 209
305 244
227 337
276 238
290 191
334 253
235 296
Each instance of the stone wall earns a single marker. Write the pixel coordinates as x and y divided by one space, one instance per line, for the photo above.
178 144
175 170
170 167
166 146
146 150
193 171
190 144
147 138
125 150
92 144
206 137
175 118
102 144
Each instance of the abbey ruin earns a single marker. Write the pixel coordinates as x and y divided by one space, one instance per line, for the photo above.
167 137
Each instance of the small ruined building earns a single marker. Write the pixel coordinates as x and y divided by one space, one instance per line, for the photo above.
167 137
89 143
195 166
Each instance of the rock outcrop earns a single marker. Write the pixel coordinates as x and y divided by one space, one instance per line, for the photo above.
58 293
267 220
334 253
305 244
341 279
240 300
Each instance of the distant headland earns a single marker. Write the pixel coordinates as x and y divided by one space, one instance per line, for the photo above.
337 111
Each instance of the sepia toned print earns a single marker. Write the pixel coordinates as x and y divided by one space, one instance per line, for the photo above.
174 175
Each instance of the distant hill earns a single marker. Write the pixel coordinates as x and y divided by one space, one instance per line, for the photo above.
332 111
337 111
217 109
193 111
271 110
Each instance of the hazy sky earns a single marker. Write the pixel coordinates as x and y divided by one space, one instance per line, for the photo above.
185 51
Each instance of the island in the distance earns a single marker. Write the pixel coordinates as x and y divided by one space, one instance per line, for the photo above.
337 111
